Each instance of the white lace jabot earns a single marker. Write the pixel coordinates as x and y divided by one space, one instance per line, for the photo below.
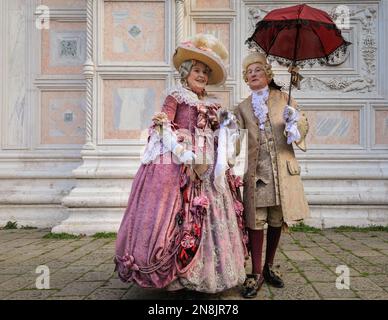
259 103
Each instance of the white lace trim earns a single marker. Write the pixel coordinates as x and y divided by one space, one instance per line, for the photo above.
293 134
154 148
160 144
183 95
259 103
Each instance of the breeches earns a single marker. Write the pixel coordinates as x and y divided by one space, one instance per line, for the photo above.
271 215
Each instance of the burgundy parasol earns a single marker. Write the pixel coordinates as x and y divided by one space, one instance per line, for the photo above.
298 35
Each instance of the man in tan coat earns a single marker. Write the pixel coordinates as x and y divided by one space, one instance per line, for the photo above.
273 190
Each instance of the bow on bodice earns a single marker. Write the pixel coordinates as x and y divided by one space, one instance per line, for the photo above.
207 116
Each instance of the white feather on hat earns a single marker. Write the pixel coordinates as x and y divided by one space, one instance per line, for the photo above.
202 40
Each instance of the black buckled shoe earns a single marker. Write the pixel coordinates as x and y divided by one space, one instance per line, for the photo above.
252 285
273 277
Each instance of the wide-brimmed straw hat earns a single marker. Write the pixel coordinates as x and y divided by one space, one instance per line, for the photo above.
207 49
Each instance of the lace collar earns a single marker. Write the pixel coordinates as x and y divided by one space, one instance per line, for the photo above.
259 104
183 95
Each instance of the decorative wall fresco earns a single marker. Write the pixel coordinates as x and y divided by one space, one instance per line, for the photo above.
332 127
381 127
63 48
134 31
129 106
62 117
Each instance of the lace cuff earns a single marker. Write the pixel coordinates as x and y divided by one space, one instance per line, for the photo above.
163 139
293 134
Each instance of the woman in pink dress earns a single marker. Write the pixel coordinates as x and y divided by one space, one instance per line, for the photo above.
183 226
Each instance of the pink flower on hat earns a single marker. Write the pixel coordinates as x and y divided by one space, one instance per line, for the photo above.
187 43
190 44
205 49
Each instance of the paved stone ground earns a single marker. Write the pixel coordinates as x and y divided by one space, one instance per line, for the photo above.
83 268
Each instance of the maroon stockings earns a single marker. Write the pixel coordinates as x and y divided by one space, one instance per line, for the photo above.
256 238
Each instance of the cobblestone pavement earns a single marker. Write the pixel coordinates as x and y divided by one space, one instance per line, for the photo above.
83 269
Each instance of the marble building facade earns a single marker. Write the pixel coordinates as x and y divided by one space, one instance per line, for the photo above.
80 80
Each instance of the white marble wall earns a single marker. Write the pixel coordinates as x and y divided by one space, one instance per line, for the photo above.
35 174
15 114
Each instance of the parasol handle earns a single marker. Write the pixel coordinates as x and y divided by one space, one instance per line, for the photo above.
289 91
294 80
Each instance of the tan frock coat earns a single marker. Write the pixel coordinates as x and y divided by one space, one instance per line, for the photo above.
292 198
